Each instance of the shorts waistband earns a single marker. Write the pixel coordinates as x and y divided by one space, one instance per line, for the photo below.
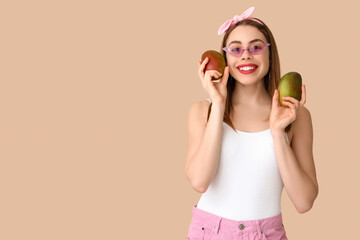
214 221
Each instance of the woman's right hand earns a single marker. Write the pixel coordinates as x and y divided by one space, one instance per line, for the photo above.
216 90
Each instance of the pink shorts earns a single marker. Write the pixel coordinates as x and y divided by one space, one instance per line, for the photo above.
206 226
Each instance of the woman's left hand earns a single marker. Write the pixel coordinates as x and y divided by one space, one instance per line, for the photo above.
281 117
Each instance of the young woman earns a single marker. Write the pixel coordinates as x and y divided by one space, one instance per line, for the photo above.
244 147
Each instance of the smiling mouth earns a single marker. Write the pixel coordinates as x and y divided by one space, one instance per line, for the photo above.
247 69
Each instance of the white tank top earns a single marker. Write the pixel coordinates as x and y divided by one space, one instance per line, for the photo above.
247 184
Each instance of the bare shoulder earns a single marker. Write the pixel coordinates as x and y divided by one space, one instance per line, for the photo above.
198 111
304 112
303 121
302 142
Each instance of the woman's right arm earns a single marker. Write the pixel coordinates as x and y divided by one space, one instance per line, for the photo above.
204 143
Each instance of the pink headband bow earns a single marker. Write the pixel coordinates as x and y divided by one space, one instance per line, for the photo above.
236 19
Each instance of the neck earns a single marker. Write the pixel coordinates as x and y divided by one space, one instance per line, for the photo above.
250 95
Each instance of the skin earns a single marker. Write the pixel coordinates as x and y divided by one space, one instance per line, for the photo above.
253 105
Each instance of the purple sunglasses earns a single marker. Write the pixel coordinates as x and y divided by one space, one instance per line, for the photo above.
254 49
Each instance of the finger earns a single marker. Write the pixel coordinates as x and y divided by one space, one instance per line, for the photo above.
303 95
292 116
275 101
286 104
199 72
211 73
217 74
292 107
292 100
202 67
203 63
208 80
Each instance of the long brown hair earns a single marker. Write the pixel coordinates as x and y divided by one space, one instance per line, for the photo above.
271 79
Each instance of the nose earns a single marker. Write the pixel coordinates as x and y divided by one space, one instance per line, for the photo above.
246 54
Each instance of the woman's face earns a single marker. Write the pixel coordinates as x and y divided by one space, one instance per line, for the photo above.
244 34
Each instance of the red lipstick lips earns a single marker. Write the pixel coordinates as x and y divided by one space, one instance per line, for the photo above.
247 68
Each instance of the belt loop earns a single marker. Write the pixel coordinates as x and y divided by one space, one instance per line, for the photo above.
218 226
260 233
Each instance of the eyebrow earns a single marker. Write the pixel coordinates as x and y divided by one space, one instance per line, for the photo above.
254 40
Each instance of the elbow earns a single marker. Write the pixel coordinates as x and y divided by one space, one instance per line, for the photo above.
200 188
304 209
197 185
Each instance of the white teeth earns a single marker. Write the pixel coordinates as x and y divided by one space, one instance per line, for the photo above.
247 68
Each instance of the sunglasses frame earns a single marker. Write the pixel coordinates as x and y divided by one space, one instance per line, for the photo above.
226 49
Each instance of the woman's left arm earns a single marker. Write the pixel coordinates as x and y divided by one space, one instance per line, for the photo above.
295 162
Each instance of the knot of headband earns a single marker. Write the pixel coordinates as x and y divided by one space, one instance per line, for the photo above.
236 19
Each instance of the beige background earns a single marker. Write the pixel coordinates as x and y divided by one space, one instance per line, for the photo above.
94 99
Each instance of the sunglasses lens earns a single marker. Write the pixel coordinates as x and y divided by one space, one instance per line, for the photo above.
256 48
235 49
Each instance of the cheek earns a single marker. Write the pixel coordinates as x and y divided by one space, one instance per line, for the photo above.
231 62
230 59
267 59
232 71
266 62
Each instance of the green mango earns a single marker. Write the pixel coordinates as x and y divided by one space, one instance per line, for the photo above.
290 86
